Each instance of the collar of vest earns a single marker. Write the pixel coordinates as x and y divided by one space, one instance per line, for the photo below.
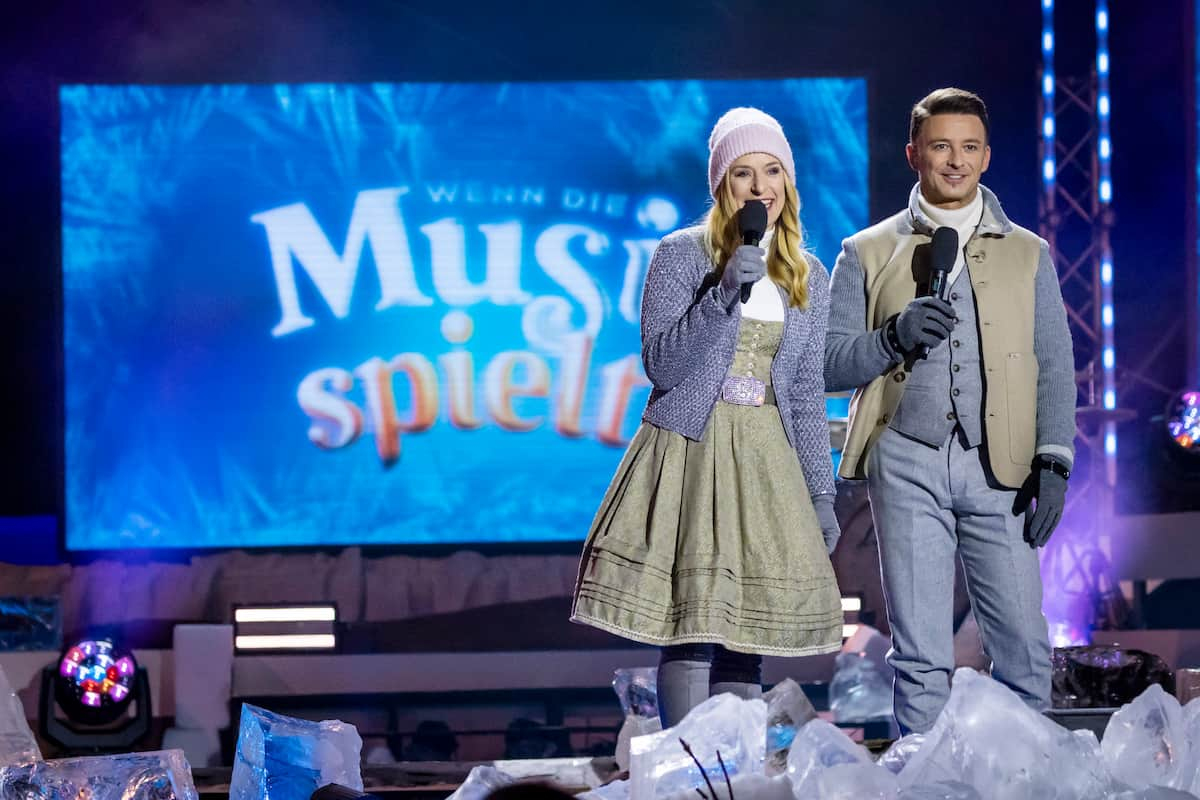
994 220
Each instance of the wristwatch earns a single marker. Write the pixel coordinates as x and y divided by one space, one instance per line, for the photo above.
1054 465
893 338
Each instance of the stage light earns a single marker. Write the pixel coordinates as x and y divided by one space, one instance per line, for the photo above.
851 609
94 682
1104 193
281 641
1183 422
1066 634
308 627
285 614
1049 167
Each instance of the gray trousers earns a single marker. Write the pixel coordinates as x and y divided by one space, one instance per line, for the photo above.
928 504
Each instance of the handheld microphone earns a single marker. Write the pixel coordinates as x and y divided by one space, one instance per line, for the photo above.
944 252
752 222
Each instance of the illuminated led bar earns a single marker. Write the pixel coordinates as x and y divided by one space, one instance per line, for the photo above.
1104 192
309 627
285 641
1049 161
285 614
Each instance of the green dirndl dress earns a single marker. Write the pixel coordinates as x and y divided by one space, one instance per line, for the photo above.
713 540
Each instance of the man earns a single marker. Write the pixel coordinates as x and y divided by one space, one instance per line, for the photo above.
962 420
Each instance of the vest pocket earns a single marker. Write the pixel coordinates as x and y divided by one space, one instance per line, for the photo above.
1020 383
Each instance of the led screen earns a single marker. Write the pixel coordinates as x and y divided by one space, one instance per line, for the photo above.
382 313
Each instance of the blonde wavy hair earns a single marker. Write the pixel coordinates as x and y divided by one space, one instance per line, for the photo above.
786 263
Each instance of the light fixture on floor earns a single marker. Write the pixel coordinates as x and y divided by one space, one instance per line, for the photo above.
94 683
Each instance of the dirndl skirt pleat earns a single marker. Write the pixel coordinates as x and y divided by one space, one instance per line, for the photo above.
711 541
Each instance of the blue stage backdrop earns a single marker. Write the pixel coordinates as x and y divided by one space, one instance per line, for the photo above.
387 313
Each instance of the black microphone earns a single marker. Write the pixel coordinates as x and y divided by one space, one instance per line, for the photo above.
752 221
944 252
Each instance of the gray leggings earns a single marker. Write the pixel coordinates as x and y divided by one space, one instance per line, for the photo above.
725 665
688 674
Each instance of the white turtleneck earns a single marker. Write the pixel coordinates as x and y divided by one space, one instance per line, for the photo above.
964 220
765 302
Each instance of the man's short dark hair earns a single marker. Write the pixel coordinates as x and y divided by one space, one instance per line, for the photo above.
948 101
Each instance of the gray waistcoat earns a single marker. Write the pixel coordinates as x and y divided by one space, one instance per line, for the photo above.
947 387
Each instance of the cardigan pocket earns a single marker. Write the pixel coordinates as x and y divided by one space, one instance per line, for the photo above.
1020 379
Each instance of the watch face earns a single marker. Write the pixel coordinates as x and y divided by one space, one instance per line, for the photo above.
1053 466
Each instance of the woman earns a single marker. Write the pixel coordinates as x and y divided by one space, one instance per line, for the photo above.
712 540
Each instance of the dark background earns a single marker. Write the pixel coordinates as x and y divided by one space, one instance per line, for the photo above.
904 49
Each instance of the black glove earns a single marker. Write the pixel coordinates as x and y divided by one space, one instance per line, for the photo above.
746 265
830 530
927 321
1049 489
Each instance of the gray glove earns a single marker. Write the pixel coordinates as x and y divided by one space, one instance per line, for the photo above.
746 265
1049 489
830 530
926 322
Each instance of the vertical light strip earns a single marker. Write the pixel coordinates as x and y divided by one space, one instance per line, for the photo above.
1104 191
1049 162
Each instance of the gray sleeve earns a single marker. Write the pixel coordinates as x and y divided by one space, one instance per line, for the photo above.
810 424
854 355
1056 364
679 329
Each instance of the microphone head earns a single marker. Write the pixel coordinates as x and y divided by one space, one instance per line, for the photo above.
945 249
752 221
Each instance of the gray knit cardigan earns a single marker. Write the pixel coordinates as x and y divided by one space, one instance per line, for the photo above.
688 343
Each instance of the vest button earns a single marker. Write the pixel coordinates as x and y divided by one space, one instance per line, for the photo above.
883 420
955 367
956 343
955 392
900 376
950 416
954 295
